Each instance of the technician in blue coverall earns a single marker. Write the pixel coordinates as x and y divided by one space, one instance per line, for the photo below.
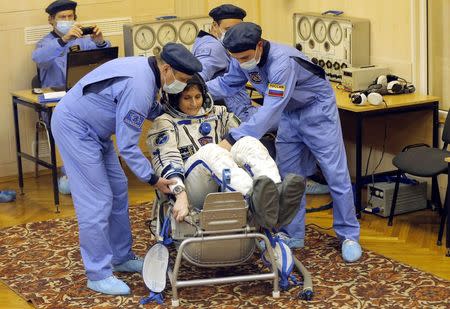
51 51
115 98
299 99
208 48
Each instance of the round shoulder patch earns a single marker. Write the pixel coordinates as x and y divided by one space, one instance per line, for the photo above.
161 139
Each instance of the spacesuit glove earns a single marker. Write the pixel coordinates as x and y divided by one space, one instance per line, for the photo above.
163 185
181 207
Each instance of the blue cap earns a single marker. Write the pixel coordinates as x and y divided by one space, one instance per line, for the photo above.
227 11
181 59
242 37
60 5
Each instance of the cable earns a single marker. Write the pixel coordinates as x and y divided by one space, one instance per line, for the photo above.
368 160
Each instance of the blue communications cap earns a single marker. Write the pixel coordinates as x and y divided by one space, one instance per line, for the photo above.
227 11
181 59
242 37
60 5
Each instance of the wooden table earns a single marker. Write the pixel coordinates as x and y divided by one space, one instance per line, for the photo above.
28 99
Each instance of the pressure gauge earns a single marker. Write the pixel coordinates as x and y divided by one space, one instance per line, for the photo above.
188 32
166 34
319 30
144 38
335 32
304 28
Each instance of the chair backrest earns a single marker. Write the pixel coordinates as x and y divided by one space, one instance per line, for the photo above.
446 132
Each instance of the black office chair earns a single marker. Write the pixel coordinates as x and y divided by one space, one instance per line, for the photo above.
424 161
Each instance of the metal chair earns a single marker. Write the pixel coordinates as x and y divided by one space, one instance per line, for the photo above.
424 161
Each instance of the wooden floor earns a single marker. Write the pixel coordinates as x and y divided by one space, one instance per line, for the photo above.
411 240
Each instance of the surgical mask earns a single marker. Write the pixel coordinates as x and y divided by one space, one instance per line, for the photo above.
175 87
251 64
63 26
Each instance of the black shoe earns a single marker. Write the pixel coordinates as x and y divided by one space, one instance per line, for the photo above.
291 191
264 201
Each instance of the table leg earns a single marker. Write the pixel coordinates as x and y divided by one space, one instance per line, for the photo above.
54 164
18 150
358 183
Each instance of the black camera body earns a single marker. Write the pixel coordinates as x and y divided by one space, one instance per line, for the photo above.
87 30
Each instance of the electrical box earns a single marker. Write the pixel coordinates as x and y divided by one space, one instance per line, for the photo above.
333 42
411 197
148 38
359 78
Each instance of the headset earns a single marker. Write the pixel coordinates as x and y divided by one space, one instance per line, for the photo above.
361 97
382 85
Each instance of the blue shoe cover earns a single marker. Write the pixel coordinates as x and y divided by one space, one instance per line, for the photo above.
10 192
110 285
313 187
351 251
5 197
131 266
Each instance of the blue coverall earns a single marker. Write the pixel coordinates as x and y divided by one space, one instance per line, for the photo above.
299 99
215 60
115 98
50 56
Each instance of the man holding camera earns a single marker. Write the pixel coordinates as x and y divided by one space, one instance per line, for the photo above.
67 35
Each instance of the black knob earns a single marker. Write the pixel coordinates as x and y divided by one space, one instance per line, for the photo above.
343 65
336 66
321 63
314 60
299 46
329 64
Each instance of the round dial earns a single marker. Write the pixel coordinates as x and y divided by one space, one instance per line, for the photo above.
335 33
188 32
304 28
319 30
144 38
166 34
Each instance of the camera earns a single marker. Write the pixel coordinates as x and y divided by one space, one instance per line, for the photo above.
87 30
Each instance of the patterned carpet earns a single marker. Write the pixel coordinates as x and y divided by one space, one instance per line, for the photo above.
41 262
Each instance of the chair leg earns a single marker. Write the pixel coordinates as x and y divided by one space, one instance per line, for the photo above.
436 197
444 213
394 198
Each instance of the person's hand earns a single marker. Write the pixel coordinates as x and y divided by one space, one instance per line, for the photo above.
181 207
163 185
225 144
74 33
97 36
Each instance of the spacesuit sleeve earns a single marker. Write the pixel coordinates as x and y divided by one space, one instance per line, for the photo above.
46 51
282 79
133 104
162 143
229 84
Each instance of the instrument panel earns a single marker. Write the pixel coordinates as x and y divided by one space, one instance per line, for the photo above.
148 38
333 42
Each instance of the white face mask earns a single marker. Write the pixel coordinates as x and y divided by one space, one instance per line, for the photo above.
63 26
175 87
251 64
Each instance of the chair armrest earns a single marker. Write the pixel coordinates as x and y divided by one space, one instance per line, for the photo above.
415 146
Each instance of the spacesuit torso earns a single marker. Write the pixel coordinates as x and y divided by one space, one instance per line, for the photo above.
174 136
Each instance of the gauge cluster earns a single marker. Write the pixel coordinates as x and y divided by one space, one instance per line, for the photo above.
148 38
333 42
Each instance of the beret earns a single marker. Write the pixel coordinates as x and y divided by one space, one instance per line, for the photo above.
242 37
181 59
60 5
226 11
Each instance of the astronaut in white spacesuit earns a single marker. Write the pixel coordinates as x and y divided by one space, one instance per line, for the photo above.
183 146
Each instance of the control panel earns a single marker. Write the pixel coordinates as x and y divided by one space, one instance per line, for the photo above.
148 38
333 42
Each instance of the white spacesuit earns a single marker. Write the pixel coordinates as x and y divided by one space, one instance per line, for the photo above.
185 147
